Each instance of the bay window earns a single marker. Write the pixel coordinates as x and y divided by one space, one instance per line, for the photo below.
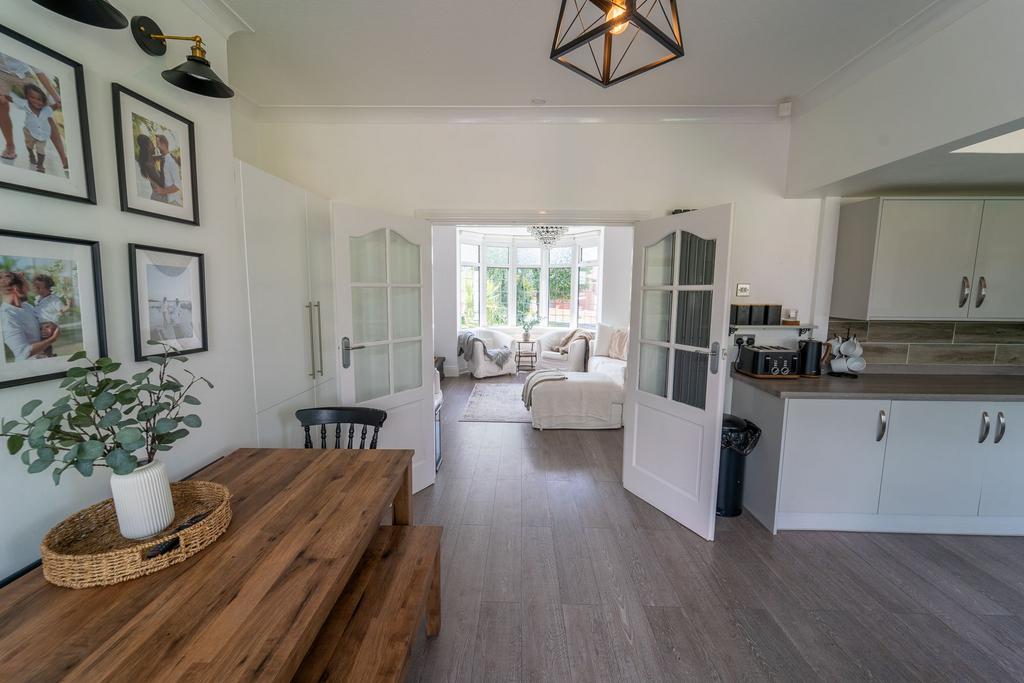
508 280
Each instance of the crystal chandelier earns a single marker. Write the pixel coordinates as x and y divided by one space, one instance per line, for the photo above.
608 41
547 235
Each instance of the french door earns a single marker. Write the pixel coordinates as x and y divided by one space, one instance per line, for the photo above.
676 384
385 326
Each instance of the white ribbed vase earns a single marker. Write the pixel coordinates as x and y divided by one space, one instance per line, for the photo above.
142 500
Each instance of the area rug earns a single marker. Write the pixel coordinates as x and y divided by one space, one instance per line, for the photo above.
496 403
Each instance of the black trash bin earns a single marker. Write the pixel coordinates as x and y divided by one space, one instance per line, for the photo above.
739 437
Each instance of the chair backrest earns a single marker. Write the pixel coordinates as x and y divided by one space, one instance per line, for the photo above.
367 417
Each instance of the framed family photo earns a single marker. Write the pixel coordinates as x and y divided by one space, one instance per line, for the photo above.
44 127
168 300
156 162
51 305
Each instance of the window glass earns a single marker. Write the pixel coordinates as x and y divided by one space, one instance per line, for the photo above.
497 296
560 296
527 294
528 256
470 285
589 253
497 256
587 297
560 256
470 253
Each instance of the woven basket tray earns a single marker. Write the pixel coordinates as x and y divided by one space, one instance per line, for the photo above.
87 548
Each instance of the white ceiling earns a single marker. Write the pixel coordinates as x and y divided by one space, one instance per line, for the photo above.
491 53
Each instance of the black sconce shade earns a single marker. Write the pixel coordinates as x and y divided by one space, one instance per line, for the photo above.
608 41
195 75
93 12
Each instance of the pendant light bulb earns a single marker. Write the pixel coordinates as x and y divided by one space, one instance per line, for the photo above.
614 13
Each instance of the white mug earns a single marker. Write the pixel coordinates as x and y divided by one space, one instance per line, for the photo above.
851 348
856 364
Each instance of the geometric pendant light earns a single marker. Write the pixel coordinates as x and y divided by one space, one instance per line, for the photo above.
608 41
194 74
93 12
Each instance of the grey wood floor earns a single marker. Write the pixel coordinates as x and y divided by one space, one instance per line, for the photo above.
553 572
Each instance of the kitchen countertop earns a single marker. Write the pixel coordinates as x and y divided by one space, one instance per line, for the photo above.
900 387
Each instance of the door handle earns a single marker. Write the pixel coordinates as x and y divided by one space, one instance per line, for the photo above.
346 352
982 292
312 350
965 291
320 336
986 426
883 425
1000 427
713 357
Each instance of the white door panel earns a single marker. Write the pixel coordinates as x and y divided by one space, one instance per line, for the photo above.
321 288
383 303
675 386
274 220
998 281
1002 493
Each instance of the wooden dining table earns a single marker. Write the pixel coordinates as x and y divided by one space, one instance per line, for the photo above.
246 608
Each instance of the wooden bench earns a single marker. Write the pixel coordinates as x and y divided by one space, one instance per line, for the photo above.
369 633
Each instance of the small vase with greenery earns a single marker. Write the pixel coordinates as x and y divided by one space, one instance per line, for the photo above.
528 325
110 422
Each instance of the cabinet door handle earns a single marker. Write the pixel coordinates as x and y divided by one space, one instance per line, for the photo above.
982 292
312 348
1000 427
883 425
986 426
320 336
965 291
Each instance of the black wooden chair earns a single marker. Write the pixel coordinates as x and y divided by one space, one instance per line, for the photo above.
367 417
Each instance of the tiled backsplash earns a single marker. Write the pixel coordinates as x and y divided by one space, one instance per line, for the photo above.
934 343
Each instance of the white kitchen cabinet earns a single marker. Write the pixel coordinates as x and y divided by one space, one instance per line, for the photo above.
289 263
1002 492
930 259
999 274
934 458
835 451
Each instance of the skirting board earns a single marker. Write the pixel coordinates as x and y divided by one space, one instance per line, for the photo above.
901 524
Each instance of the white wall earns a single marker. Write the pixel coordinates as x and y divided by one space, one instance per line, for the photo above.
595 167
446 295
616 275
961 80
31 504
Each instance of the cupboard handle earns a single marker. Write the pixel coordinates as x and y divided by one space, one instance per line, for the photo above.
982 292
965 291
883 425
986 426
312 348
320 336
1000 427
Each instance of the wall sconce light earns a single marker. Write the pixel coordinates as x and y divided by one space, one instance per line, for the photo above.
194 74
93 12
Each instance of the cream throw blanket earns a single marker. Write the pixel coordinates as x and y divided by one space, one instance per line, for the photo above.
539 377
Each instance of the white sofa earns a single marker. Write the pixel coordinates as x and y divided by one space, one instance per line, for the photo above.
544 337
584 400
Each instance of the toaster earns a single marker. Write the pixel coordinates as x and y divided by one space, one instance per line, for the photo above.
768 361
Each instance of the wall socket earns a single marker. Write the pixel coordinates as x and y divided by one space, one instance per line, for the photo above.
743 289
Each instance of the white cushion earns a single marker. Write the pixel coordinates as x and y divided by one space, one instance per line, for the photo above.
603 339
611 368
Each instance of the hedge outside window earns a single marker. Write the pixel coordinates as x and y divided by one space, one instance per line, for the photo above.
557 285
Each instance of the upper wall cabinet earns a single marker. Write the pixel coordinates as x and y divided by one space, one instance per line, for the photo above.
930 259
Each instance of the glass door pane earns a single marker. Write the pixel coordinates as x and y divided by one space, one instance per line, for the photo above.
658 262
405 312
405 260
369 314
693 319
372 373
408 365
655 315
690 378
653 369
696 260
366 257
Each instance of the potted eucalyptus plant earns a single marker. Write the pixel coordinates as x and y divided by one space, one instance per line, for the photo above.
528 325
102 421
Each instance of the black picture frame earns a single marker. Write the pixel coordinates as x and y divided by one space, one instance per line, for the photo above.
83 123
143 350
97 285
117 90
